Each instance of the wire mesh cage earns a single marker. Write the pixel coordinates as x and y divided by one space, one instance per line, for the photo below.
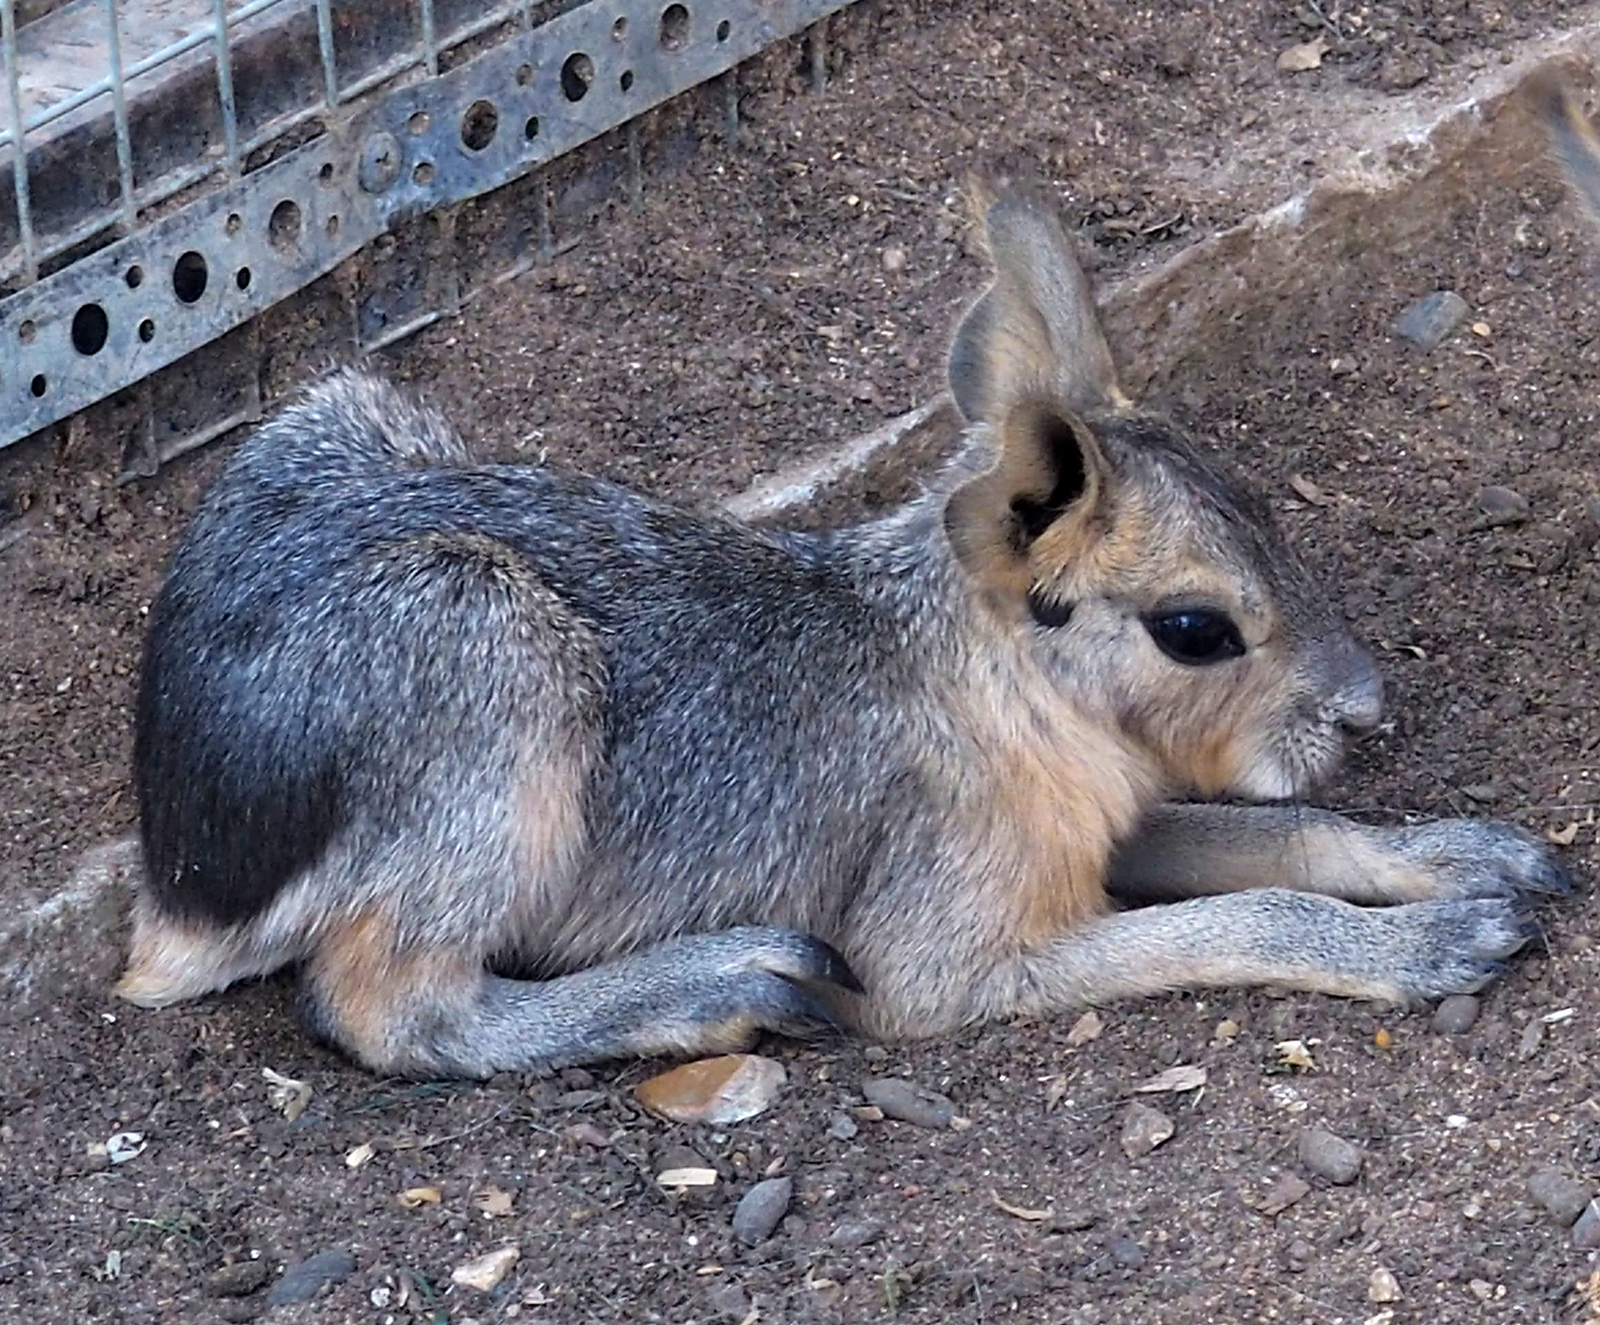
171 168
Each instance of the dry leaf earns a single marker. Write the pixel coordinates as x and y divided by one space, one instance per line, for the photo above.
486 1272
1382 1038
288 1096
1306 490
1185 1076
1227 1031
681 1178
1562 837
354 1159
1018 1211
1295 1054
1304 56
1086 1028
728 1089
413 1197
493 1201
1055 1091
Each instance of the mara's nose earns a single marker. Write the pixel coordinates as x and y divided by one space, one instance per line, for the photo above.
1357 702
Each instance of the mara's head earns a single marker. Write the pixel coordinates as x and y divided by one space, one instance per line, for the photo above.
1153 589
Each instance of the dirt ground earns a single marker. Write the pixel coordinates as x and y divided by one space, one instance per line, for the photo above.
768 303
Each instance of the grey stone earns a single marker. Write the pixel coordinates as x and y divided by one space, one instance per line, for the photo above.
1143 1129
1586 1232
842 1127
908 1102
1430 319
855 1233
761 1209
1562 1195
1502 506
1456 1015
1329 1156
302 1282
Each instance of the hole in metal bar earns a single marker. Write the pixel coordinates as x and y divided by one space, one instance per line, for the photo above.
134 276
423 174
147 331
723 28
232 225
27 331
619 29
524 75
189 277
332 226
576 76
89 329
626 81
674 26
325 172
478 125
39 386
283 226
241 278
419 122
530 130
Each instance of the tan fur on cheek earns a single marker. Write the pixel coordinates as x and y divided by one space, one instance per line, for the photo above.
1048 797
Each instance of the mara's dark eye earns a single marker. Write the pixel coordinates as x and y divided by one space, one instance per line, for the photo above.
1196 636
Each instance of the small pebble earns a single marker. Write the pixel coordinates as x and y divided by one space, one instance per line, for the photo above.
1586 1232
1072 1221
842 1127
1289 1188
1382 1286
1456 1015
302 1282
1143 1129
761 1209
1433 317
1529 1041
908 1102
1502 506
855 1233
1329 1156
238 1280
1562 1195
1127 1253
894 258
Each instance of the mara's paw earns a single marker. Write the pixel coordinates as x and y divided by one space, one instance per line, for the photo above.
1468 858
1454 946
728 988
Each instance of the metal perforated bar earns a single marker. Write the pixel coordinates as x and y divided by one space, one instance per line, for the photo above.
119 113
330 66
230 122
17 136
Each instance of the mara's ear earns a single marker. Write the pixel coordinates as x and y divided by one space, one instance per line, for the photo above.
1572 135
1051 481
1035 330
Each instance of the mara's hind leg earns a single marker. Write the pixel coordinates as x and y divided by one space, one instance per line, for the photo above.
433 1010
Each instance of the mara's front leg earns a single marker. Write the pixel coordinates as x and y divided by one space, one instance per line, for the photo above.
1402 954
1194 850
